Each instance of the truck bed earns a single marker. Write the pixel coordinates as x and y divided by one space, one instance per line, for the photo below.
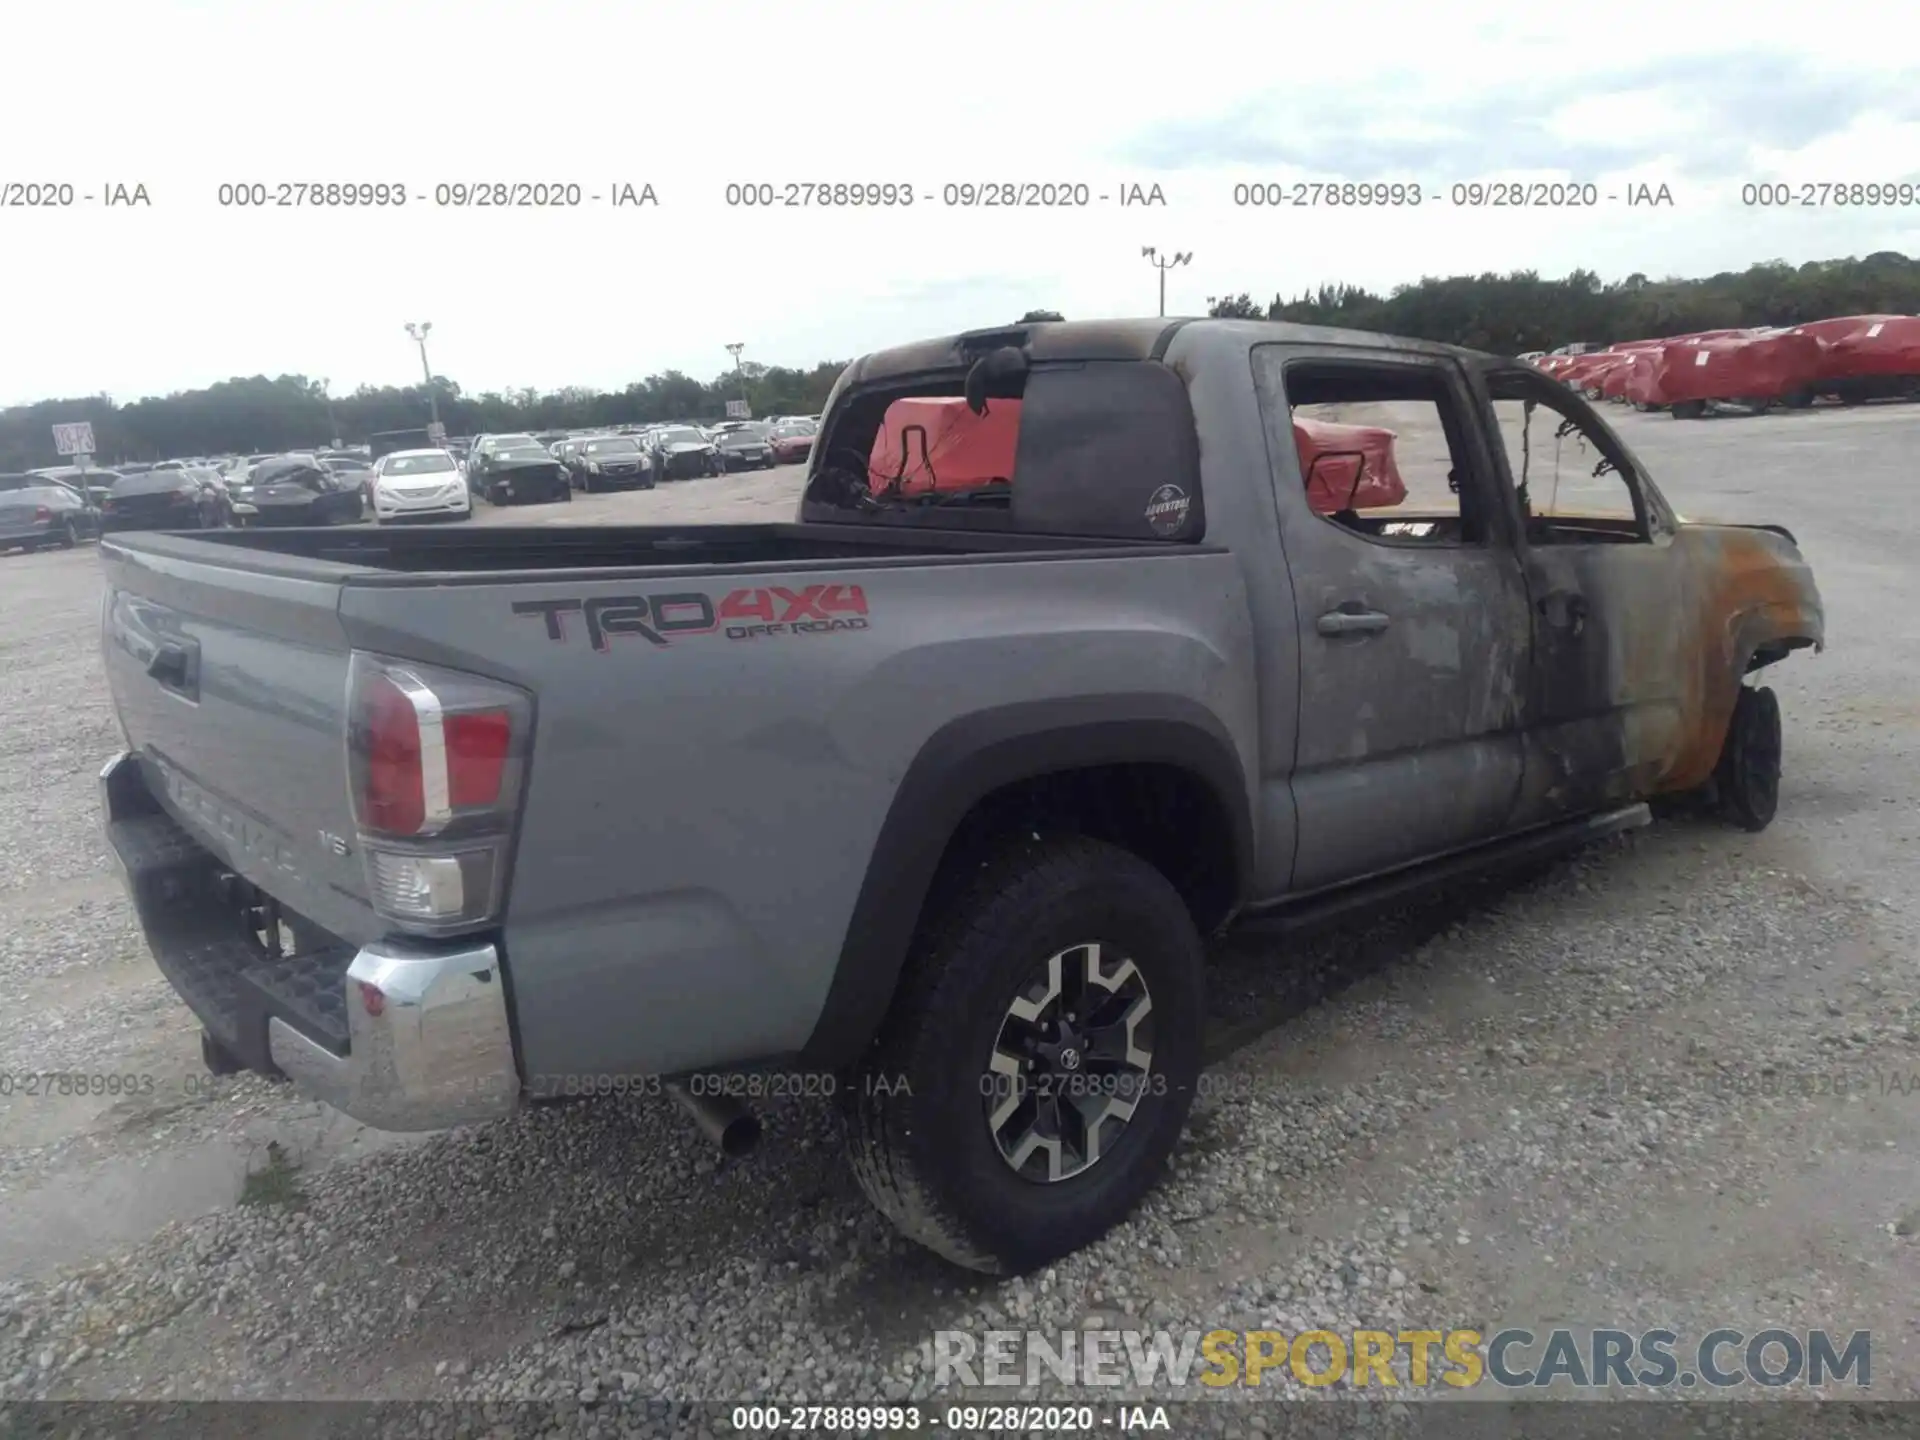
512 551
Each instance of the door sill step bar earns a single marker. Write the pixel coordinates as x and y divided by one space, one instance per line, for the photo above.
1324 907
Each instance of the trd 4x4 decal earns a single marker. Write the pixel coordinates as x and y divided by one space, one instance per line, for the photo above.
739 614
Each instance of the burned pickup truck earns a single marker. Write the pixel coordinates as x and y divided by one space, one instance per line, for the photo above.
933 795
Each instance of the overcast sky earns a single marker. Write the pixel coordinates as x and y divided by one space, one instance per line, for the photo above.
1195 97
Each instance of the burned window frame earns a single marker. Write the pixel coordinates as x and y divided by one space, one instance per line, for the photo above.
1652 520
1276 363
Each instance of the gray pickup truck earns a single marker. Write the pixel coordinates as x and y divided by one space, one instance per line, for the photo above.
932 797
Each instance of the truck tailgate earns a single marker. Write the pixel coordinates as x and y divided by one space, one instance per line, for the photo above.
231 682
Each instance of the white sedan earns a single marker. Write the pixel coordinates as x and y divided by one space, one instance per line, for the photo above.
421 483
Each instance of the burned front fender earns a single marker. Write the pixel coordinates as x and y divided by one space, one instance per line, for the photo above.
1756 602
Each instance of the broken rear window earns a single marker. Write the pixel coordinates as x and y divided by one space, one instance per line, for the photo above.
1101 449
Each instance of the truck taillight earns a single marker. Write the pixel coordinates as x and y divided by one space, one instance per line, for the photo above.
42 514
437 759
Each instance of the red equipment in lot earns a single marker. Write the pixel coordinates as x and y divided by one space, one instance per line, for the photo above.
1347 467
1866 357
1588 373
1753 370
1612 382
1849 357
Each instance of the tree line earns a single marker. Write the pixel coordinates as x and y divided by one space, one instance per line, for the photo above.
1506 314
1519 312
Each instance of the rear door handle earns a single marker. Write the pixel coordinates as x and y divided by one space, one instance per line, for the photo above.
1566 609
1352 622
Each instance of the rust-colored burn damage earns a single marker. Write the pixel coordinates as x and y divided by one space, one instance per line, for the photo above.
1754 601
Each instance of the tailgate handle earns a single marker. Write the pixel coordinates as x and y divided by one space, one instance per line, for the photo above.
173 666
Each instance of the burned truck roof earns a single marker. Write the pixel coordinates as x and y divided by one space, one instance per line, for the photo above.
1136 339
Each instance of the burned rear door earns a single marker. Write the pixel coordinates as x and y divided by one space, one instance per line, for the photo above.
1413 632
1613 614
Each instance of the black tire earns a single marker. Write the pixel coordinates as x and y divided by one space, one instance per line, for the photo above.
586 485
67 538
923 1151
1687 409
566 494
1746 781
1797 399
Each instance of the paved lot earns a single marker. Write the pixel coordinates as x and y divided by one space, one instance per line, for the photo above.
1601 1096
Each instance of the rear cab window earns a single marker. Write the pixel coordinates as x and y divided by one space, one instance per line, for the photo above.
1099 449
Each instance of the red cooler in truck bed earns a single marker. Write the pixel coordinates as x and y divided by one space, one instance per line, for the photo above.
1344 451
937 446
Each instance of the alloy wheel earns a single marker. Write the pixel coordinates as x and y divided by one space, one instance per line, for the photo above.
1070 1064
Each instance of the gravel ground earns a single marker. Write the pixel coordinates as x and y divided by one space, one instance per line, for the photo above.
1601 1094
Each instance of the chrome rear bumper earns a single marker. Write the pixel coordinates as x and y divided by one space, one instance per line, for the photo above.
403 1036
429 1046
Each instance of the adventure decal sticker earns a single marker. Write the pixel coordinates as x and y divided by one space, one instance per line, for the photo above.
1167 510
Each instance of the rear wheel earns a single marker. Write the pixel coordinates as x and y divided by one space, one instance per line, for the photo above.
1037 1065
1687 409
1746 781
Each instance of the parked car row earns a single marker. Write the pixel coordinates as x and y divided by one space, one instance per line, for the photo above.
534 466
64 504
399 475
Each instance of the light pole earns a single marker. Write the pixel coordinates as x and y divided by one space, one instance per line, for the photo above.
740 374
419 333
1163 266
333 425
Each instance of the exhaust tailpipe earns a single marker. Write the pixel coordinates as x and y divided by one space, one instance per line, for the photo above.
722 1119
